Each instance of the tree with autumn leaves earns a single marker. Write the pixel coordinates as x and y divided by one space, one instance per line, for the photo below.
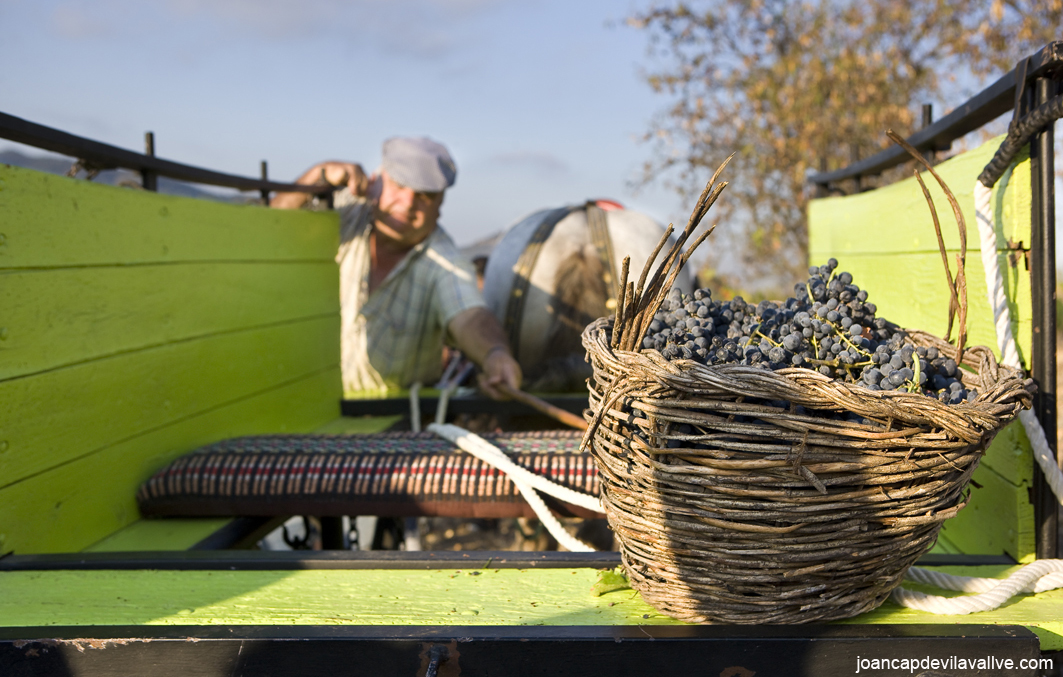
791 84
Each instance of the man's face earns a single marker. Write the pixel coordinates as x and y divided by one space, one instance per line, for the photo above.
405 216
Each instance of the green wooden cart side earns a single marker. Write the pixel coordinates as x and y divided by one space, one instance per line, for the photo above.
885 238
137 327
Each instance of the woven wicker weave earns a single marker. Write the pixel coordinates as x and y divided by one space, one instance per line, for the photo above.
775 508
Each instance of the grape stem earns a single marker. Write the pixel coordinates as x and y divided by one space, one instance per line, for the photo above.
851 344
757 332
913 385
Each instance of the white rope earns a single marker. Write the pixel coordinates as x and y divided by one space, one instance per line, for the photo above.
994 282
939 579
448 390
1039 576
984 214
1046 574
415 407
525 481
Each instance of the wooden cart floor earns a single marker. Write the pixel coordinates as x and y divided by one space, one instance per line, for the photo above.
389 597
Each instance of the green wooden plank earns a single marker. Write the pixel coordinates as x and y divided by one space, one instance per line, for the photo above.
58 317
997 520
68 413
896 218
1009 455
943 546
51 221
68 508
368 597
160 534
885 239
395 597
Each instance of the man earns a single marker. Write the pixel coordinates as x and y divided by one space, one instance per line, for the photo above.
404 287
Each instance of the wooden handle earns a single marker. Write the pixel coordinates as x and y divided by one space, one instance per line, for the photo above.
557 413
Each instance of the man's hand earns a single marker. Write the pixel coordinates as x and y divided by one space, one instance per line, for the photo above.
334 173
498 369
479 336
348 174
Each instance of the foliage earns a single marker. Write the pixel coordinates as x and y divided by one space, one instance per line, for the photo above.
790 84
610 580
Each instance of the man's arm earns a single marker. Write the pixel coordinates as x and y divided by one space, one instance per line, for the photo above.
334 173
479 336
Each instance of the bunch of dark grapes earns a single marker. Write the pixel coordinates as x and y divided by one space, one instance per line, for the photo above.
828 325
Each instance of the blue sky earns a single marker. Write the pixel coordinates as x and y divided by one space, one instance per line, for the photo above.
540 101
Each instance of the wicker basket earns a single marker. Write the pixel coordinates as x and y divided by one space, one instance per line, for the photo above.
775 508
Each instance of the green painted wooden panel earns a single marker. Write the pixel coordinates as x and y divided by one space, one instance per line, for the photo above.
885 238
70 412
135 327
998 519
510 597
896 219
1009 455
53 318
943 546
160 534
68 508
49 221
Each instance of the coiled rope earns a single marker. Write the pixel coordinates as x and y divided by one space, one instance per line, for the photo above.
1040 576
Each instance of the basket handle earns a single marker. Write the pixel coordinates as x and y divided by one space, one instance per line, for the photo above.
957 287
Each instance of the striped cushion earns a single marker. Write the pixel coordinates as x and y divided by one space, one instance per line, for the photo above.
387 474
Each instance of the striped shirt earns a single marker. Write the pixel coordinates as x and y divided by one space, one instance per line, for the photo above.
394 336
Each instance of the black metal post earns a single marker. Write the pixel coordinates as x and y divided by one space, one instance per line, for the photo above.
928 115
854 157
265 177
148 178
928 119
332 533
1043 292
822 189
